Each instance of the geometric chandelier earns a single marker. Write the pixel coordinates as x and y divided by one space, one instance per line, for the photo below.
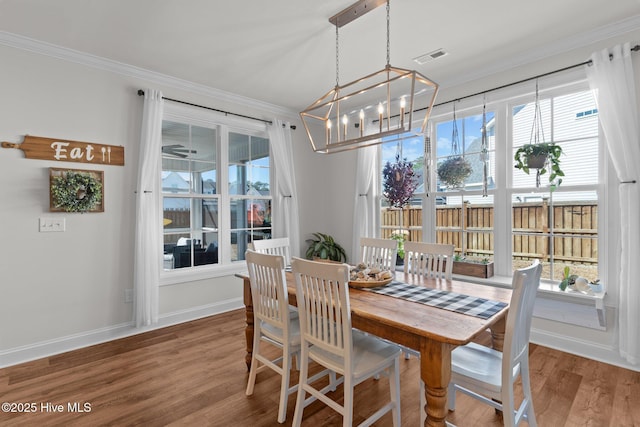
377 108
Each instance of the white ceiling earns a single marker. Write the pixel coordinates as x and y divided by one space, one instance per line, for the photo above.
283 51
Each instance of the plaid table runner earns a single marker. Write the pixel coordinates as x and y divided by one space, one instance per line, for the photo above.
465 304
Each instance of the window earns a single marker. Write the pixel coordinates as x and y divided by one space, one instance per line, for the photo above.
464 217
215 191
249 191
408 220
559 228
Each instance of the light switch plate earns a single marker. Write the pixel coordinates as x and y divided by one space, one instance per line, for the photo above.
52 224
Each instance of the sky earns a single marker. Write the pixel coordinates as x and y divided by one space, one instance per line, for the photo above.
469 128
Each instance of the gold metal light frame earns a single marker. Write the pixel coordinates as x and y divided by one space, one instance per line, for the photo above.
377 108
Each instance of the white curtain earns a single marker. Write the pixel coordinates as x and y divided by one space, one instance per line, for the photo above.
611 77
364 206
285 197
147 254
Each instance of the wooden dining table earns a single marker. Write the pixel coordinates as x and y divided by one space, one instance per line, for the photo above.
432 331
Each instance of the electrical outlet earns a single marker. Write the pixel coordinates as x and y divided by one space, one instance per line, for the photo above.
52 224
128 295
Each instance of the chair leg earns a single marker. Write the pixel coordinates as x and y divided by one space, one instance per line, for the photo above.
526 390
394 390
284 386
254 362
304 372
508 407
333 381
451 395
347 409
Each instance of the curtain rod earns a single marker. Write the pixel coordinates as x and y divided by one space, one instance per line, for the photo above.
636 48
141 93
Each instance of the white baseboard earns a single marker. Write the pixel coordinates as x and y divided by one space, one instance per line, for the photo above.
601 353
47 348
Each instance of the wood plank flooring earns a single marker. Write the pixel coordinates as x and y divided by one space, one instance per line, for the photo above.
194 374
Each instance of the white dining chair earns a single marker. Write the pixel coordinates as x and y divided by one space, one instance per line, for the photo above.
279 246
328 339
379 253
274 323
429 259
489 375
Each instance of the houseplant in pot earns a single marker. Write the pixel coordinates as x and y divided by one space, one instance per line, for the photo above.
538 154
399 184
400 236
472 266
543 156
453 171
325 247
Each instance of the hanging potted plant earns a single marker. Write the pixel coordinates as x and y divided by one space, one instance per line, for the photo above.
540 155
399 182
543 156
454 171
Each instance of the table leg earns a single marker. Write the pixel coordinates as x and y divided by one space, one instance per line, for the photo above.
497 333
248 332
435 370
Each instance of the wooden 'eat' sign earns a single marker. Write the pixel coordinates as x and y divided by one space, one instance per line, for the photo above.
37 147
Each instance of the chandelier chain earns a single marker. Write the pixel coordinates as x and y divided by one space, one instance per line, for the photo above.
337 59
388 34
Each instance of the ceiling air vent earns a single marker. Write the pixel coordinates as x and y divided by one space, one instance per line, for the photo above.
423 59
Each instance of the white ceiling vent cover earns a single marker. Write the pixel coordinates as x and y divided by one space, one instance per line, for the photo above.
423 59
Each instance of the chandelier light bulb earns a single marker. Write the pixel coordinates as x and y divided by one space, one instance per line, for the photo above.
345 121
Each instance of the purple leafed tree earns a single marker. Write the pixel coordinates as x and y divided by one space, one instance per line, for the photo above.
400 182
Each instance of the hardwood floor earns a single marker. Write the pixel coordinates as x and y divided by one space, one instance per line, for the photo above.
194 374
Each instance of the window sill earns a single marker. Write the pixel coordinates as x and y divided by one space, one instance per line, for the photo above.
569 306
547 288
182 275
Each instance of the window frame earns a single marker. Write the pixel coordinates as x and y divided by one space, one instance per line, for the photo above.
501 103
224 125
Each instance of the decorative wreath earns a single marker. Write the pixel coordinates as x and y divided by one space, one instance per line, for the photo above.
76 191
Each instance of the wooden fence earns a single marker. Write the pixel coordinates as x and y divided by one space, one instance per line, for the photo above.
569 230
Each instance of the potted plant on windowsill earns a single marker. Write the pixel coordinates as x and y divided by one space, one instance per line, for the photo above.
541 156
400 236
481 267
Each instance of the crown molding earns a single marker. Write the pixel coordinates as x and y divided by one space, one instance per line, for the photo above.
82 58
568 44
